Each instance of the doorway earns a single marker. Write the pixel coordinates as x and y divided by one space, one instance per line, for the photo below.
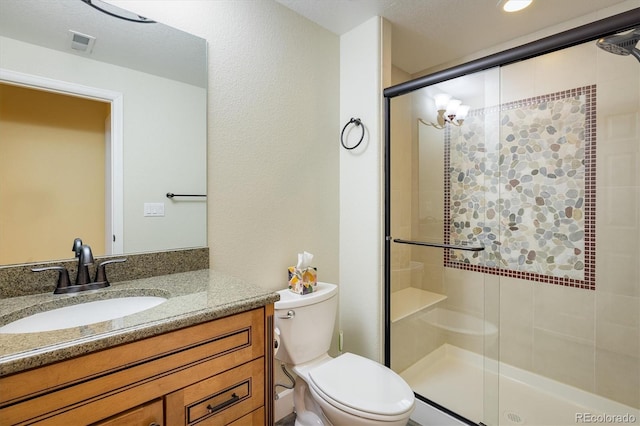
61 174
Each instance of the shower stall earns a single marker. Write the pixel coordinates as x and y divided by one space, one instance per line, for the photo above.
512 249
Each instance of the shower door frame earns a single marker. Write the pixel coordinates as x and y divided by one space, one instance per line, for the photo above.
582 34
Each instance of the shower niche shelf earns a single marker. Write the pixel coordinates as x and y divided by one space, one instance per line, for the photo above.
411 300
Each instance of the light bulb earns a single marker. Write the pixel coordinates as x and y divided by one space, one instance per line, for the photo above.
515 5
462 112
452 107
441 100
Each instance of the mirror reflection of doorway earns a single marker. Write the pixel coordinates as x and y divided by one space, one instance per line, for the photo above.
53 150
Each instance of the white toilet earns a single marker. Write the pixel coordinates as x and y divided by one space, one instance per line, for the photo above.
347 390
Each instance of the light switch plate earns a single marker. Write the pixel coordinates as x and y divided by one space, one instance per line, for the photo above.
153 209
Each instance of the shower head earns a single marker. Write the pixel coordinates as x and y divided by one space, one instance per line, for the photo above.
621 44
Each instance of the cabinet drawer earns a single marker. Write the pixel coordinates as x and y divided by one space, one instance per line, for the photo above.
220 399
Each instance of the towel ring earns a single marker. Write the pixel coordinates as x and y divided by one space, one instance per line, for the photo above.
357 122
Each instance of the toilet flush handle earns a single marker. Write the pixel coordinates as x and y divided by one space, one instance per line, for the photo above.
290 314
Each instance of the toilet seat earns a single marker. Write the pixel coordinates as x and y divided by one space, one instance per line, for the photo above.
362 387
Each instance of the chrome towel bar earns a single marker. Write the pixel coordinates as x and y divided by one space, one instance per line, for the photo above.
171 195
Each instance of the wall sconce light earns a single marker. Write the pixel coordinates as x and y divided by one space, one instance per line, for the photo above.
450 111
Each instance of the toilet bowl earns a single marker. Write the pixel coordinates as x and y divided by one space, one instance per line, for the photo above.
346 390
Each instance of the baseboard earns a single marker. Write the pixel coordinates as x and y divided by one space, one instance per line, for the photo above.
283 405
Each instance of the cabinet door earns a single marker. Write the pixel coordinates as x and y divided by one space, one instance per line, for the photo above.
255 418
150 414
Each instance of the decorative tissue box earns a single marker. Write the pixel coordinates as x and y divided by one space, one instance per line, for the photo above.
302 281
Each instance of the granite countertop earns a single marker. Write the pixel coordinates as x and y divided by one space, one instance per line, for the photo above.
193 298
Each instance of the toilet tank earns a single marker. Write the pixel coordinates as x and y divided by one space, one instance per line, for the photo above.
305 323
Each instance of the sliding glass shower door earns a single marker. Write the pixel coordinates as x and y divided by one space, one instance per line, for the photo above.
444 316
513 244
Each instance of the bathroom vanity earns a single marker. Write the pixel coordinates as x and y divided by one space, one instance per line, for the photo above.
204 356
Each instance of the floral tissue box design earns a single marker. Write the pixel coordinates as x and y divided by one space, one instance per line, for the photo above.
302 281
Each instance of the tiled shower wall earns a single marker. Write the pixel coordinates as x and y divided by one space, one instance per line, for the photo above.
585 338
402 154
589 339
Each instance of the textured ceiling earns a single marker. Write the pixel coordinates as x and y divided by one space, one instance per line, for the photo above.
427 33
152 48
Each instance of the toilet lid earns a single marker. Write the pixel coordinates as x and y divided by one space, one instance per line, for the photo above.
363 385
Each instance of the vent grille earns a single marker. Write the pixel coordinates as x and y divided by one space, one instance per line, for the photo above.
81 42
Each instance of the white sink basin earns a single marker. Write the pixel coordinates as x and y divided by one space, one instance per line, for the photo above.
82 314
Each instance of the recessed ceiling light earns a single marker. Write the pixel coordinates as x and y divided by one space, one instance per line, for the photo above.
514 5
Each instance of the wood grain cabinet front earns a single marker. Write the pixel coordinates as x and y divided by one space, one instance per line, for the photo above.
221 399
218 372
150 414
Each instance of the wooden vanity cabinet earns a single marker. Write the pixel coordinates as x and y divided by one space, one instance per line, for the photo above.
150 414
220 399
215 373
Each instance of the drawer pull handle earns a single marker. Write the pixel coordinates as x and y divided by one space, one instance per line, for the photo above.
222 405
154 424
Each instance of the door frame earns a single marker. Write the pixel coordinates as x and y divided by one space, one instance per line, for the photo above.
114 180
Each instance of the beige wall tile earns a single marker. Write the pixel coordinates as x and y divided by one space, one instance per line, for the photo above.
617 272
432 279
464 290
412 339
618 377
618 324
563 358
516 322
618 208
565 311
515 82
568 71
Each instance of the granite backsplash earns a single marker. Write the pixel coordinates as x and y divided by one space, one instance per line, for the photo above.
19 280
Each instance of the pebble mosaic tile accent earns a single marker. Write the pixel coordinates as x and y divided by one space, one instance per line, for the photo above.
520 179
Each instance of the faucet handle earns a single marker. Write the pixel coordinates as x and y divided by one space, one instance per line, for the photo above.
63 276
101 274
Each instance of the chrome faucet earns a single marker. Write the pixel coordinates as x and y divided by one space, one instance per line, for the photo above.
83 279
85 258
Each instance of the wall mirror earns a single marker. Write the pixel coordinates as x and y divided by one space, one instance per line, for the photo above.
148 84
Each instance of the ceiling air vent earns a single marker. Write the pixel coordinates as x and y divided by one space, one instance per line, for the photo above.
81 42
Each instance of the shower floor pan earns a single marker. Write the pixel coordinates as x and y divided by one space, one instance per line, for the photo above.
454 378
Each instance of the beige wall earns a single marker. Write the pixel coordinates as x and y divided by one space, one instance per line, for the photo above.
363 73
38 175
273 126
